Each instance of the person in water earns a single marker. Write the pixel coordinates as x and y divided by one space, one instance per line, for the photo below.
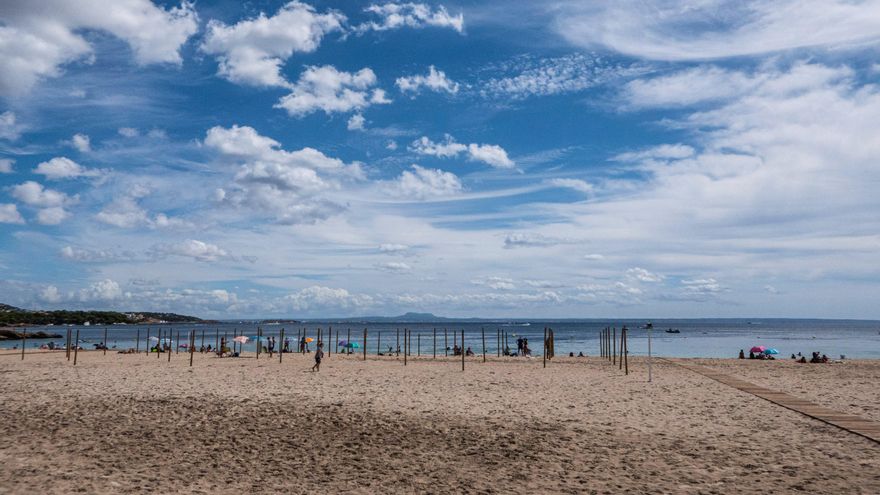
319 355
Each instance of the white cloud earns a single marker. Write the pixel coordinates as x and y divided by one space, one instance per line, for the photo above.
391 145
413 15
6 165
37 38
81 142
125 212
52 216
528 239
50 294
9 128
103 290
661 152
9 214
425 183
436 81
252 51
394 267
550 76
356 122
34 194
706 29
191 248
643 275
490 154
393 248
594 257
289 185
128 132
92 255
578 185
497 283
64 168
325 298
332 91
702 288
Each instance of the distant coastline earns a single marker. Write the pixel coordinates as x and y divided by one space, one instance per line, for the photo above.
11 316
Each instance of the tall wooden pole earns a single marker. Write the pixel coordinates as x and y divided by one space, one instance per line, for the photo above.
170 333
379 343
404 345
137 342
545 347
203 340
625 351
622 337
76 347
365 344
159 344
24 342
435 343
462 349
281 351
105 341
614 345
445 343
483 332
419 344
177 346
192 345
69 334
398 341
259 345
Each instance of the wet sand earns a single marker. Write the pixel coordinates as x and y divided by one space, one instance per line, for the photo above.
132 423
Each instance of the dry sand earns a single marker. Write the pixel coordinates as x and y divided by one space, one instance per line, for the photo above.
132 423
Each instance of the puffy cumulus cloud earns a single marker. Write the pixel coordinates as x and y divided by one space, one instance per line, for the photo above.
81 142
6 165
191 248
490 154
356 122
286 184
37 38
332 91
578 185
529 76
125 212
51 294
702 288
10 129
52 216
424 183
436 81
643 275
9 214
412 15
64 168
320 298
700 30
102 290
128 132
34 194
252 51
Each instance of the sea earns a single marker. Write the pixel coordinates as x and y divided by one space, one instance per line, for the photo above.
710 338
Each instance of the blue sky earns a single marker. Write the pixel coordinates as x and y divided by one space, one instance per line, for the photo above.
510 159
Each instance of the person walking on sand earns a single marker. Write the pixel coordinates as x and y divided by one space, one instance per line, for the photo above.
319 354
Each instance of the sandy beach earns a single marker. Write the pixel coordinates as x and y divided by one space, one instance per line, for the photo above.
133 423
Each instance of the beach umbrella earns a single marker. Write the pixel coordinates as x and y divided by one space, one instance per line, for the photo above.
353 345
757 348
241 339
770 351
342 343
309 339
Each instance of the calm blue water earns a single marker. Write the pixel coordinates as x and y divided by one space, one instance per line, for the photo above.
698 338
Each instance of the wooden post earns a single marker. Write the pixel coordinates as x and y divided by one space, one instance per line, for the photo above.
192 345
622 337
216 338
259 345
379 343
625 351
159 344
462 349
24 342
68 343
455 339
404 345
614 345
203 340
483 332
398 341
137 342
349 341
545 347
498 342
445 343
281 350
365 344
171 343
76 347
419 344
105 341
435 343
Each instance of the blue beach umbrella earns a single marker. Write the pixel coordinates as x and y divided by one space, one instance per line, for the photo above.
771 351
353 345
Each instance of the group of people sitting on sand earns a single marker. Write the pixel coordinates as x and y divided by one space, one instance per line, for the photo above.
759 355
816 359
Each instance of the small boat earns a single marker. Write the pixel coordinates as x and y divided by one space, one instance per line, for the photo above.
673 330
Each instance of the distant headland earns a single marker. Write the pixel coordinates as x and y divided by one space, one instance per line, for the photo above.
13 316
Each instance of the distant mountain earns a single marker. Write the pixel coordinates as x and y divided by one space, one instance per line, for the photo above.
10 315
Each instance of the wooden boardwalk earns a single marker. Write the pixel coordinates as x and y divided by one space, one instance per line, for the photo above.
851 423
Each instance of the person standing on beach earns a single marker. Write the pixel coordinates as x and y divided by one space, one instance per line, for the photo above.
319 354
